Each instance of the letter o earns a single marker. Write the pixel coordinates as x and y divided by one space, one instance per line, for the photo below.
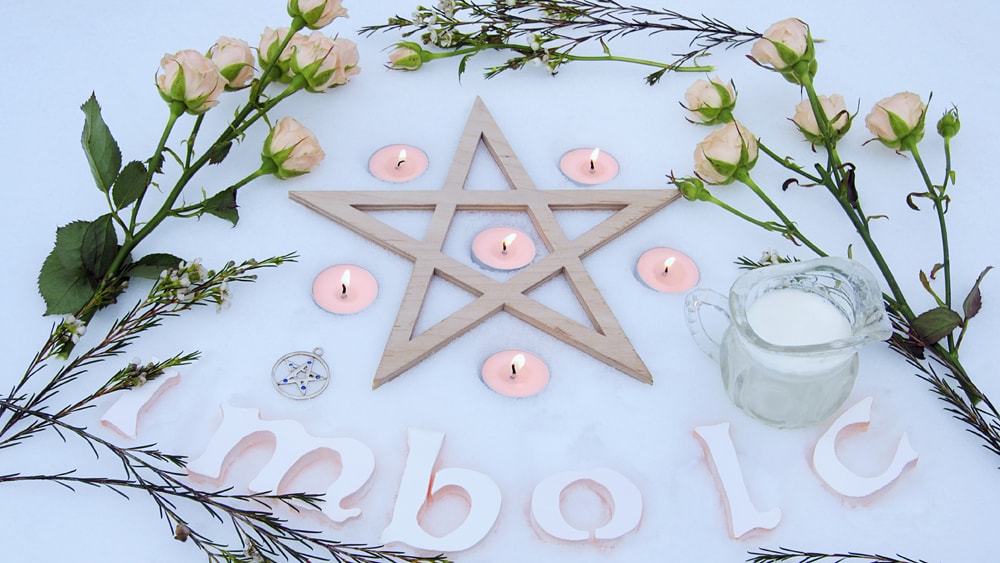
626 505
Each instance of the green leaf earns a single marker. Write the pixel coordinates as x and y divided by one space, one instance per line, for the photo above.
461 65
64 281
129 185
223 205
974 301
218 153
102 151
151 265
607 50
98 247
933 325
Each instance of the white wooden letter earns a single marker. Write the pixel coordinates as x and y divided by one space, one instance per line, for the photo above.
241 427
625 502
419 483
841 479
123 416
743 515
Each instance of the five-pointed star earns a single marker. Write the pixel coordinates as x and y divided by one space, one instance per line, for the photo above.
299 377
605 341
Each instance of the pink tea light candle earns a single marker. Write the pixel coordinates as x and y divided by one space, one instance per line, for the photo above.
398 163
667 270
515 373
503 248
344 289
586 166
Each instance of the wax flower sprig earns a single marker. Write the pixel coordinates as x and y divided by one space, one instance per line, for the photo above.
548 32
731 151
93 263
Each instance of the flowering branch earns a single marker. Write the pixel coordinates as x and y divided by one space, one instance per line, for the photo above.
547 32
93 260
92 264
897 122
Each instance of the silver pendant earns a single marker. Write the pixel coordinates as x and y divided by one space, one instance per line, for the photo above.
301 375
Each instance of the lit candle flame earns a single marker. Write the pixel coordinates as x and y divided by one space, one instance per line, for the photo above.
507 241
516 364
593 158
401 159
667 264
345 282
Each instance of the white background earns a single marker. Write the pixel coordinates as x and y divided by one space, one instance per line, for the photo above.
590 415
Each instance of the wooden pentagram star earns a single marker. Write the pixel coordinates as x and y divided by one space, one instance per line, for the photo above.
606 341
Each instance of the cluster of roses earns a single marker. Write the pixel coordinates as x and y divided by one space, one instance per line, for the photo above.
193 82
729 152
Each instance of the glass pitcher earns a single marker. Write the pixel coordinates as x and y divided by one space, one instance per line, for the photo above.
791 385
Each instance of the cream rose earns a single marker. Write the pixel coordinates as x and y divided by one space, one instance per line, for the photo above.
316 13
793 37
235 61
325 62
711 101
347 60
191 78
267 51
292 148
897 119
724 152
835 109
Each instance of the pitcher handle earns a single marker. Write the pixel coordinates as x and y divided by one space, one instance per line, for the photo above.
692 311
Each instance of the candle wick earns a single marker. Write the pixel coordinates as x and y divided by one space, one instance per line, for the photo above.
343 291
503 245
513 371
591 165
666 270
400 163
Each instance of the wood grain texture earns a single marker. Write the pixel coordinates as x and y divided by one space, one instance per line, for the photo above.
605 340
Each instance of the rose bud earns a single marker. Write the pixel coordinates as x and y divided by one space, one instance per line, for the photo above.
192 79
235 61
692 189
347 60
710 102
839 120
324 62
949 124
724 153
267 52
787 47
407 56
292 149
316 13
898 121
